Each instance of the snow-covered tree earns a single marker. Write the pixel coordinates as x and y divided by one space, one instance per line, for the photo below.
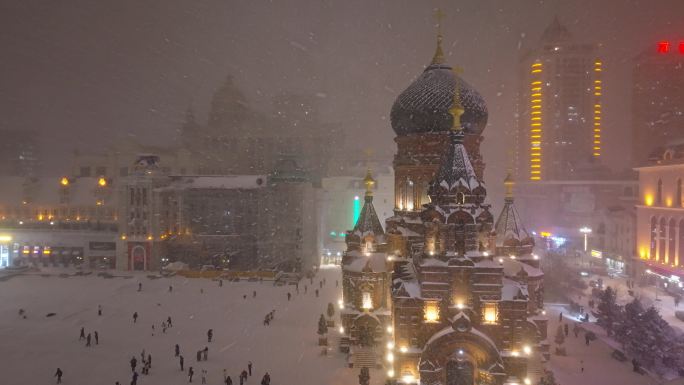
559 340
364 376
322 326
609 312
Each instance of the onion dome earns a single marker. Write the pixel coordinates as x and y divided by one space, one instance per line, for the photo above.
368 222
423 107
510 231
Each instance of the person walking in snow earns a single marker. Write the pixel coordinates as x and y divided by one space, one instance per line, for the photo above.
266 380
170 288
249 367
88 340
177 350
168 321
59 375
210 334
181 360
99 309
149 360
97 338
135 317
134 363
139 286
206 353
244 374
254 294
204 376
199 355
316 293
82 336
190 373
134 380
289 296
220 283
242 380
228 380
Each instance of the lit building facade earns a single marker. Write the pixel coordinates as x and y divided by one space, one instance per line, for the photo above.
560 106
58 221
467 292
657 100
660 214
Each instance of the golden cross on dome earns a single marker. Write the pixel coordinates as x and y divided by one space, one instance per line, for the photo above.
439 15
438 58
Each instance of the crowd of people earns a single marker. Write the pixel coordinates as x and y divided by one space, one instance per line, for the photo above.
201 355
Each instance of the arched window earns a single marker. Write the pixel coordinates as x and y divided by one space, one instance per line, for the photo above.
652 254
678 196
659 194
671 241
662 237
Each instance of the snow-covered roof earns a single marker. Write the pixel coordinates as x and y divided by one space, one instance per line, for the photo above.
456 169
376 262
368 222
218 182
512 289
512 267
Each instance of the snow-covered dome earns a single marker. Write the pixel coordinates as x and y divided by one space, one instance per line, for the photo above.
423 107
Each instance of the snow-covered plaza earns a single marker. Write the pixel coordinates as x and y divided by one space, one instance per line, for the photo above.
33 348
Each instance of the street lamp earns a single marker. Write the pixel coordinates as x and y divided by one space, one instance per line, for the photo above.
586 231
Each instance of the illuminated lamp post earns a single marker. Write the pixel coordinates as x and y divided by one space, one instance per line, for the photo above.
586 231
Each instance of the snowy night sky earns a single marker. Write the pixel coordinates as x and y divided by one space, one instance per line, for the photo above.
81 72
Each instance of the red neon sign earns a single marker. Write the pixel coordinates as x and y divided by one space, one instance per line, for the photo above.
664 46
681 47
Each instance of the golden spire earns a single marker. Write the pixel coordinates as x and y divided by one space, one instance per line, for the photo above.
369 182
508 184
456 109
439 54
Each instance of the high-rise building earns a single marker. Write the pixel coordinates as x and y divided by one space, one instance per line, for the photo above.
658 100
559 123
18 153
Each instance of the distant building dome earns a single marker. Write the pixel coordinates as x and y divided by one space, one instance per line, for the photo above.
423 107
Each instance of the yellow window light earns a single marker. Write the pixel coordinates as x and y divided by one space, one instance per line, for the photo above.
535 136
538 82
431 312
597 136
535 166
535 118
64 181
535 89
102 182
535 160
597 118
536 101
489 313
597 81
536 71
597 148
597 105
535 65
598 63
597 142
597 94
597 87
536 95
535 178
536 113
597 69
597 154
